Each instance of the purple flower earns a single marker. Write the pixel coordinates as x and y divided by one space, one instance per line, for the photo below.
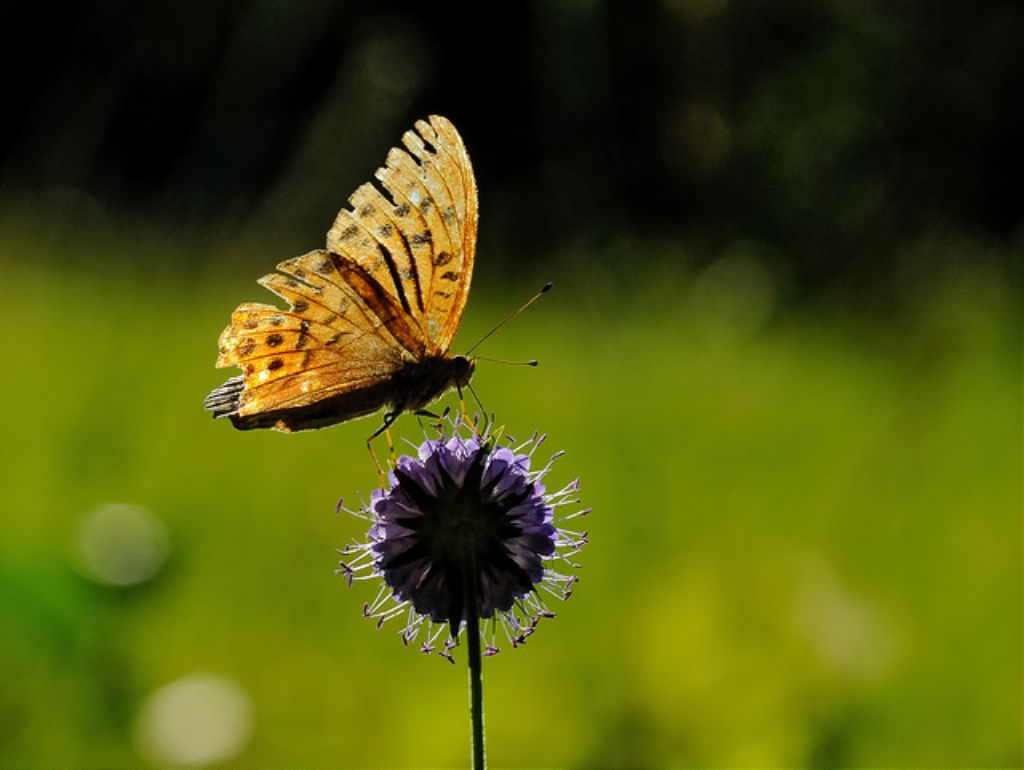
466 522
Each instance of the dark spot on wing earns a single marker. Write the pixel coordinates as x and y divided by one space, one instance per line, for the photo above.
348 233
250 323
245 347
426 206
401 211
386 230
448 214
421 238
442 258
274 365
365 210
451 275
273 340
300 306
326 267
303 335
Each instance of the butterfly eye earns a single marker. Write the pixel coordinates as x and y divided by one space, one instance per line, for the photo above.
462 368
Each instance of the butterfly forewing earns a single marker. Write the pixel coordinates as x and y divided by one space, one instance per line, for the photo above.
336 289
451 278
370 236
387 293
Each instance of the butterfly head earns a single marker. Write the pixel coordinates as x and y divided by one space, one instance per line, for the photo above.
462 370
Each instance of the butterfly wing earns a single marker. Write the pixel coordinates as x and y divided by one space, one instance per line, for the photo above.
389 291
329 344
414 229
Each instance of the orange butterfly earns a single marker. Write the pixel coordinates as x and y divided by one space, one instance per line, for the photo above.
372 316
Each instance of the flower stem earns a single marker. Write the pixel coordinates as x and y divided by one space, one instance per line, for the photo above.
471 609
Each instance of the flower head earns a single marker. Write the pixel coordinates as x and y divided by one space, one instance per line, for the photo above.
464 531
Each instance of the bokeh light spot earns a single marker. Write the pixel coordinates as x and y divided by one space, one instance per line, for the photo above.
197 720
737 293
849 633
121 545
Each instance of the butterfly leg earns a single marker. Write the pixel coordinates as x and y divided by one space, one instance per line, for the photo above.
472 422
463 413
389 419
438 420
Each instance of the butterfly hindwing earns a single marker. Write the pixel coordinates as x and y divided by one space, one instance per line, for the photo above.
327 342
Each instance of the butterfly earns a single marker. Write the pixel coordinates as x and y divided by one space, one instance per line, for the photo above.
371 317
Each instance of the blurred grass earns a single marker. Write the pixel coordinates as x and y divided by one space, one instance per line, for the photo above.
805 546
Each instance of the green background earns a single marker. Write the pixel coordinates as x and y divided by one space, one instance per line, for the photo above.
805 545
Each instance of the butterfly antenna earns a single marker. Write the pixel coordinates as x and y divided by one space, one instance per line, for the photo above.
531 362
546 288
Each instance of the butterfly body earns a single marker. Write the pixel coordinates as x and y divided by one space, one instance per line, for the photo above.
371 318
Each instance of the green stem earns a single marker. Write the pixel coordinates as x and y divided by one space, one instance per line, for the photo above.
476 693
